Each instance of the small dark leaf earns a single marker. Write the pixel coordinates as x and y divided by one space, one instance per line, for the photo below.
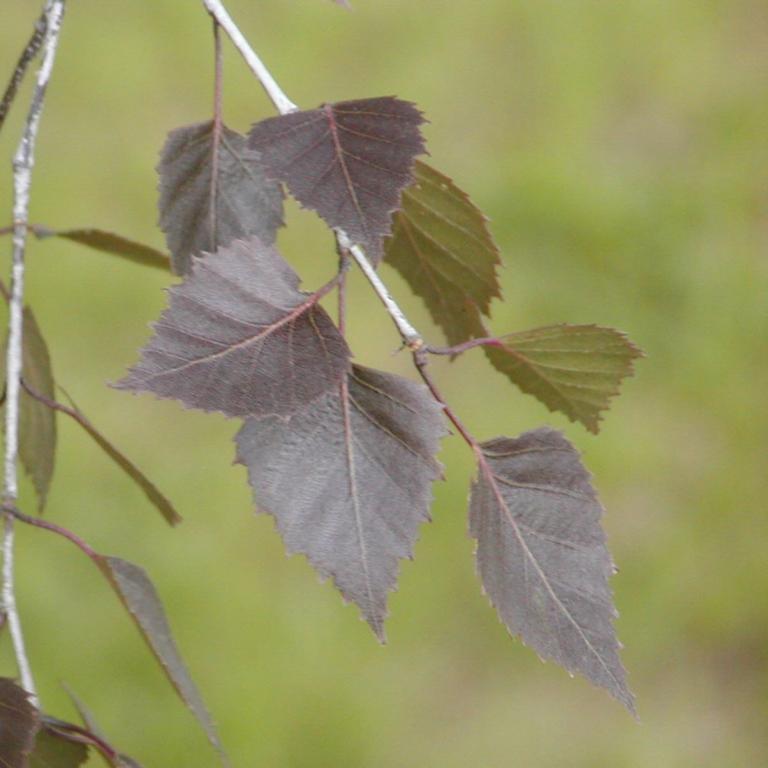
151 491
348 161
19 723
542 557
37 422
348 480
140 597
200 211
108 242
442 247
240 338
57 749
575 369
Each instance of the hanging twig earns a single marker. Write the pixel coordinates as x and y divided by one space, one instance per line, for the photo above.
23 163
31 50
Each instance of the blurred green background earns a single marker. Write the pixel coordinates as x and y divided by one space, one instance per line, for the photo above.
621 152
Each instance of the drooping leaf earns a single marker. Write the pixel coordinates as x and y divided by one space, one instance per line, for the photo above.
57 749
349 161
19 723
239 337
37 422
140 598
348 480
151 491
442 247
109 242
542 557
575 369
209 198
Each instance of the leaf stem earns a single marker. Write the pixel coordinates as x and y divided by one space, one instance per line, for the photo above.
485 341
13 512
23 162
216 137
421 362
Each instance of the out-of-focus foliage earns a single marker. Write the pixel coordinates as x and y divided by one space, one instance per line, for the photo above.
620 157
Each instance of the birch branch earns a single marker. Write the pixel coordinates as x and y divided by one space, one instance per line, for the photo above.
411 337
23 163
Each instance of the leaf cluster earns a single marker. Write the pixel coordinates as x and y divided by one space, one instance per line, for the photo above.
342 456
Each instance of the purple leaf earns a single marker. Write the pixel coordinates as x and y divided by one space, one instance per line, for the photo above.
575 369
349 161
210 196
19 723
542 557
348 480
140 598
442 247
239 337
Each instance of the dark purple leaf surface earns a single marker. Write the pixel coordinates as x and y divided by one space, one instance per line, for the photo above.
140 597
239 337
442 247
349 161
348 480
542 557
575 369
19 722
209 198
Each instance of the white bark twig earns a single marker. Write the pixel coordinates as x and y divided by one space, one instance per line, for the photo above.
411 337
23 163
282 103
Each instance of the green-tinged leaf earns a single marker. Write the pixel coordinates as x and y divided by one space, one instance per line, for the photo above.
115 245
57 749
37 422
140 597
442 247
19 722
574 369
151 491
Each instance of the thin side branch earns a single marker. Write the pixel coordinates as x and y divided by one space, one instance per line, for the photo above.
23 163
31 50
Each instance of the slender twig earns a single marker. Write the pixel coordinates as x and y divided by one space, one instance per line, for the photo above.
79 735
14 512
411 337
282 103
485 341
31 50
216 138
22 174
421 362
